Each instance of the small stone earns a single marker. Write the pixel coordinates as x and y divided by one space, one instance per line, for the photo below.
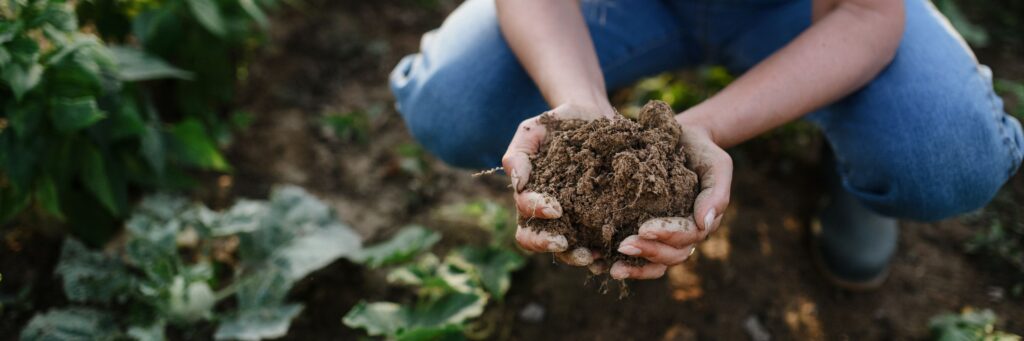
533 313
755 329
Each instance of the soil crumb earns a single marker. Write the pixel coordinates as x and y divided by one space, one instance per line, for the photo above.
610 176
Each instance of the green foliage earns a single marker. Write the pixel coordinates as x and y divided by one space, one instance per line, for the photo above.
679 90
405 245
449 293
1013 92
354 125
969 325
72 324
80 124
164 271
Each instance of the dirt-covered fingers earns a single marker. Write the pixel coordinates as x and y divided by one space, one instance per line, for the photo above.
537 205
579 256
621 270
525 142
674 231
654 251
542 241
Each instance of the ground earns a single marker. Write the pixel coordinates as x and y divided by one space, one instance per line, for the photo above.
331 57
757 270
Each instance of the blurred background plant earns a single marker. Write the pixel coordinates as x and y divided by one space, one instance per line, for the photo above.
969 324
103 99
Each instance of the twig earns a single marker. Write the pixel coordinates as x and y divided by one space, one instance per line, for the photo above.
487 171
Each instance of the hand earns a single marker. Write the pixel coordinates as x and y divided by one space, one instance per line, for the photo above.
669 241
516 162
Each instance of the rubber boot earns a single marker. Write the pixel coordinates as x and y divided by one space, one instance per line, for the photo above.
852 244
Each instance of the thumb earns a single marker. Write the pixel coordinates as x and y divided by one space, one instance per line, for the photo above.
715 175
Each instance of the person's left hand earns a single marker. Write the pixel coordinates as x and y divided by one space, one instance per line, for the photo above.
669 241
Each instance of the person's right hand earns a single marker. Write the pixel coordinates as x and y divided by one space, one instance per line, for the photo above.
516 162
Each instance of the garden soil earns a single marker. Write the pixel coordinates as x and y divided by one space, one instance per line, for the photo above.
611 175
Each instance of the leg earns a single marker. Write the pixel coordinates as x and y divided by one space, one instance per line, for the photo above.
464 94
928 138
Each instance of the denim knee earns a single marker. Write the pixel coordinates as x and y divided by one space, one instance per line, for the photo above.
938 175
465 118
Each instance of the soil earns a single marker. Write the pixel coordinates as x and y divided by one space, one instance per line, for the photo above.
611 175
754 273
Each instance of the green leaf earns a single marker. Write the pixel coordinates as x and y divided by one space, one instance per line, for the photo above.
969 325
69 115
47 197
153 332
493 266
189 300
91 276
245 216
254 11
152 148
208 15
316 249
94 176
444 333
12 202
137 65
380 318
194 147
9 29
392 319
22 78
405 245
71 324
263 323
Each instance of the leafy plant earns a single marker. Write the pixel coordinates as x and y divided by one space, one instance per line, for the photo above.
968 325
83 124
164 272
449 293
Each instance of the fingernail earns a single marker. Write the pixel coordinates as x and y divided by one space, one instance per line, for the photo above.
550 212
648 235
557 244
629 250
618 272
709 219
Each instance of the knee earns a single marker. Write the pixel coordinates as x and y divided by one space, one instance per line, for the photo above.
937 175
945 191
451 113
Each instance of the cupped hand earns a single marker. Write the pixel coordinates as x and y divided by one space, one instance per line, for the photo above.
517 165
669 241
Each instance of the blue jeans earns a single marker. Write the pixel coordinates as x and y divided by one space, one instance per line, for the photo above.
927 139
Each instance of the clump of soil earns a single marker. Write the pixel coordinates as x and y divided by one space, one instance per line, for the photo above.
610 176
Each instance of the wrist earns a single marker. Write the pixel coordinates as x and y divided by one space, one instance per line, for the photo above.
592 100
693 123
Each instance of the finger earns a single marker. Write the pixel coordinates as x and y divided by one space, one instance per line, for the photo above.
536 205
621 270
715 176
540 241
654 251
525 142
673 231
580 256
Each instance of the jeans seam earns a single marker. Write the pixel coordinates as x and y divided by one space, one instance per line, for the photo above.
1015 154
